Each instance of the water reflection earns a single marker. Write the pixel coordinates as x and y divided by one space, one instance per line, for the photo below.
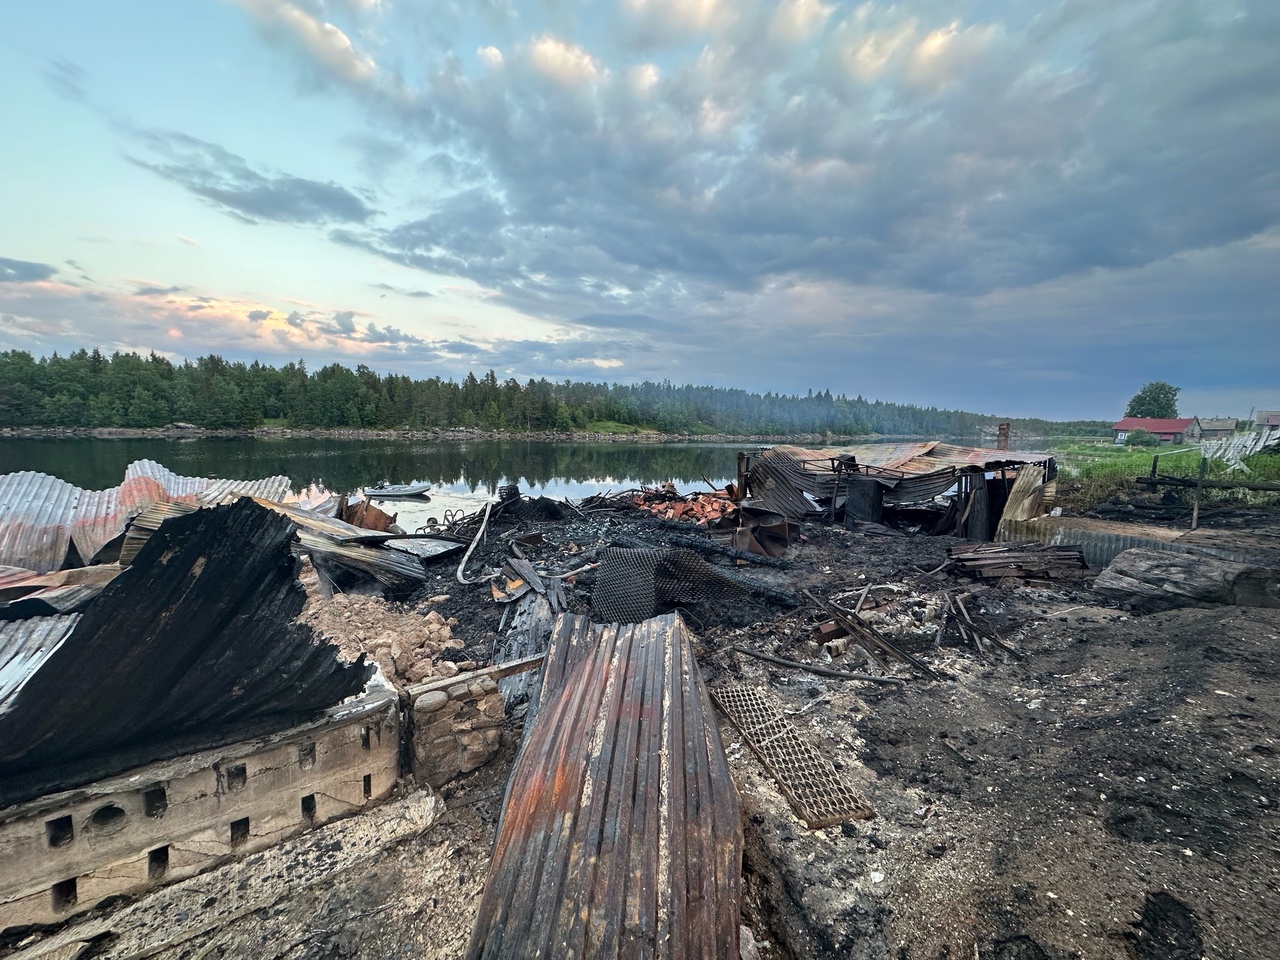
555 469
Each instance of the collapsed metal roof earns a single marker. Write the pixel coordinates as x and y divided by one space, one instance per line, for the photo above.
193 645
793 480
35 520
42 516
620 833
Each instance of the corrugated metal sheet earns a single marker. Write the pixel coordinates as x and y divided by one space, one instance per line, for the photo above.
24 646
35 520
274 489
40 514
197 640
205 490
12 576
51 601
175 486
102 515
1102 540
620 833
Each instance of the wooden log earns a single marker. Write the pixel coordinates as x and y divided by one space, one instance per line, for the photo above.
1162 580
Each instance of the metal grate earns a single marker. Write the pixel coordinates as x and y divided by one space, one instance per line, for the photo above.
806 778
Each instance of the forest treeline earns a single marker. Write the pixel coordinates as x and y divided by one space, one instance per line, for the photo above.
90 389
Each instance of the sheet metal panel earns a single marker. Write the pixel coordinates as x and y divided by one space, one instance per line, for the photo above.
40 514
35 520
205 490
24 646
102 515
198 638
225 491
620 833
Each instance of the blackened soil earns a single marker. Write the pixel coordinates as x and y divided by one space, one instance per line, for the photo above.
1112 794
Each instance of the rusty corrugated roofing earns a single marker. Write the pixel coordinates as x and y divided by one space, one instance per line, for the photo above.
40 515
205 490
102 515
620 833
35 520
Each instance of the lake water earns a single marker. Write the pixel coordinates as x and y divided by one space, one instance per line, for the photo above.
471 469
463 474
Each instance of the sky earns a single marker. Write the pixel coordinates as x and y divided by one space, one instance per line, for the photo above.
1021 208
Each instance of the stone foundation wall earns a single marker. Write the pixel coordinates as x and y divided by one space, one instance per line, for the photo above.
455 727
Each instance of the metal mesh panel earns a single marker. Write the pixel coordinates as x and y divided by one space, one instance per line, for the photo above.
635 584
625 591
806 778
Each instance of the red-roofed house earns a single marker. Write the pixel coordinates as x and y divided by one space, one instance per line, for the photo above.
1169 431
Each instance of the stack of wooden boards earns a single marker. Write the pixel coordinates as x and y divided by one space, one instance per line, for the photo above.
1029 559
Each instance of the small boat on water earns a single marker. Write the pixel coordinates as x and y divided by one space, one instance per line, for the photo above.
398 491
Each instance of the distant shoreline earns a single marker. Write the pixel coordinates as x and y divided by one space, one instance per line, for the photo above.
450 434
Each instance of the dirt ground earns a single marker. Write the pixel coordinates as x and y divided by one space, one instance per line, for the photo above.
1109 792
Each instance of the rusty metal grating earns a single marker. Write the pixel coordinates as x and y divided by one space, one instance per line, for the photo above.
806 778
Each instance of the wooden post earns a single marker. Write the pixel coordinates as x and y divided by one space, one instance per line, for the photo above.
742 476
1155 461
1195 509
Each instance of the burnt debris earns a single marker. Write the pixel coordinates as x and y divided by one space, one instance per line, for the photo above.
194 644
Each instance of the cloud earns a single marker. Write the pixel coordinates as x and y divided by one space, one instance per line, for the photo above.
24 271
846 192
565 63
326 44
67 79
227 182
257 316
157 291
414 294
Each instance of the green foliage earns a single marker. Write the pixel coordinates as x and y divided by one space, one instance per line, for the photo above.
88 389
1156 399
1141 438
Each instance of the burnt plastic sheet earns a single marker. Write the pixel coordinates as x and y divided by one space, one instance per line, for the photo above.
196 642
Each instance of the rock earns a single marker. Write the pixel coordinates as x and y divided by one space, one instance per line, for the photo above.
446 668
1164 579
420 670
429 702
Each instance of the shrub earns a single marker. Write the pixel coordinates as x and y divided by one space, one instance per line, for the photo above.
1141 438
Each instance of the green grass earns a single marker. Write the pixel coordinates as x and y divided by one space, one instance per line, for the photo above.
612 426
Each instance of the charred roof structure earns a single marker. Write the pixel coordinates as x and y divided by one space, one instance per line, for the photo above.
193 645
